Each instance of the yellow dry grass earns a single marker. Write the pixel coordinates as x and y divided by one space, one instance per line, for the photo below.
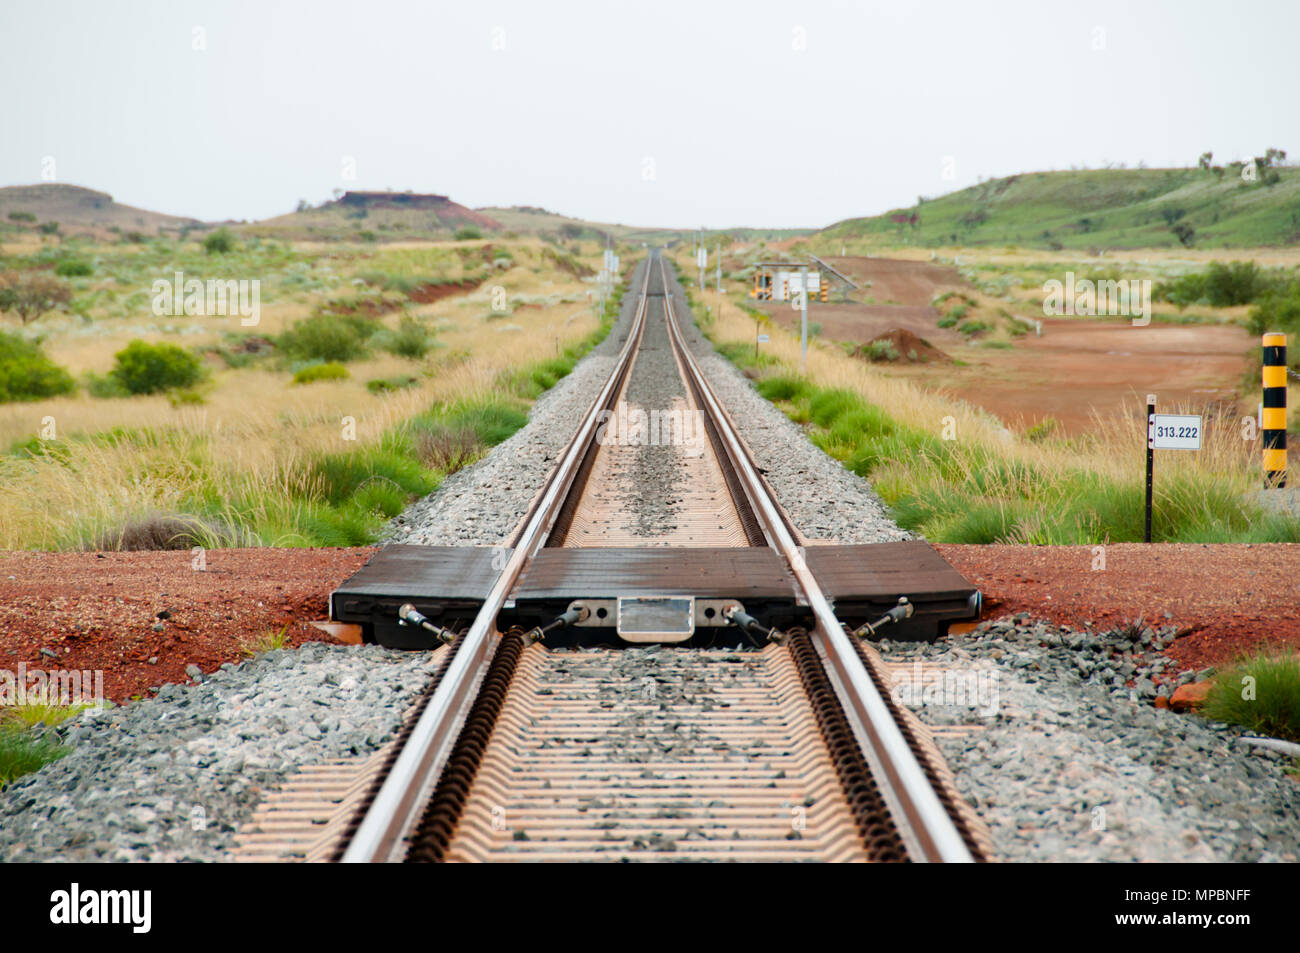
256 429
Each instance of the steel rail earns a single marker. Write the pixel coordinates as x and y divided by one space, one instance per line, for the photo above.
396 809
925 824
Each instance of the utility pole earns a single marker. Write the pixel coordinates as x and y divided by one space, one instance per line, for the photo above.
803 321
718 252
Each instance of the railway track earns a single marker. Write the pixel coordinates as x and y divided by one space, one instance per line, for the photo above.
786 747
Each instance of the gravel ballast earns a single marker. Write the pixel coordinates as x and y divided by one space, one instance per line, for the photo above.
1065 761
481 505
173 778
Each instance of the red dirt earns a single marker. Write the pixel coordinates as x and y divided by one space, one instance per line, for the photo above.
1079 366
427 294
904 282
862 322
97 611
1231 599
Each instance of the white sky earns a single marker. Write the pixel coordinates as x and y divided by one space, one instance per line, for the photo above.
742 128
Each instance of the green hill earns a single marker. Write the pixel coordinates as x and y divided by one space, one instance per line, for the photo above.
1104 208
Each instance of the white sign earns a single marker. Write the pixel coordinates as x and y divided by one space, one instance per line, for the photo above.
702 256
764 338
1175 431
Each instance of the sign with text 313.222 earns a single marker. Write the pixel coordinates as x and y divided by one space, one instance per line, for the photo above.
1175 431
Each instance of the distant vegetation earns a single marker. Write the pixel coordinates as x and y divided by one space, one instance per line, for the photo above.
952 473
27 374
219 242
1275 294
1205 207
30 294
145 368
373 371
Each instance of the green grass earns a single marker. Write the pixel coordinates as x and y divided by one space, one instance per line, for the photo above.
24 749
331 371
22 753
268 641
1261 694
1102 208
958 492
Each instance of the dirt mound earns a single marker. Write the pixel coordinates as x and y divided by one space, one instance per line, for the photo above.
909 347
899 281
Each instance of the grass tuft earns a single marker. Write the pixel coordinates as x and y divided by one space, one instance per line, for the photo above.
1261 694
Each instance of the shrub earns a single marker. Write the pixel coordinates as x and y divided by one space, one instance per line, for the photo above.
74 268
492 420
336 478
162 532
219 242
105 386
447 448
1220 285
144 368
1262 694
29 294
384 385
1042 430
827 405
21 217
468 233
783 387
320 372
328 337
882 351
411 339
1279 311
27 374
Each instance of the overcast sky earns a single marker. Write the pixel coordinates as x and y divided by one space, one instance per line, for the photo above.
672 114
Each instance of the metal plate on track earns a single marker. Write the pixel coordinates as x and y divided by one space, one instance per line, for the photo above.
885 570
740 572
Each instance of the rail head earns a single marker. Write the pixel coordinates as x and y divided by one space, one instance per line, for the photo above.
394 812
921 817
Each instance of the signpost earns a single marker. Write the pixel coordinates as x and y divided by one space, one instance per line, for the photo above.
702 259
803 319
1168 432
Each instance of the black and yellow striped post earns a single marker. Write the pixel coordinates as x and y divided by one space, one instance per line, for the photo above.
1272 421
